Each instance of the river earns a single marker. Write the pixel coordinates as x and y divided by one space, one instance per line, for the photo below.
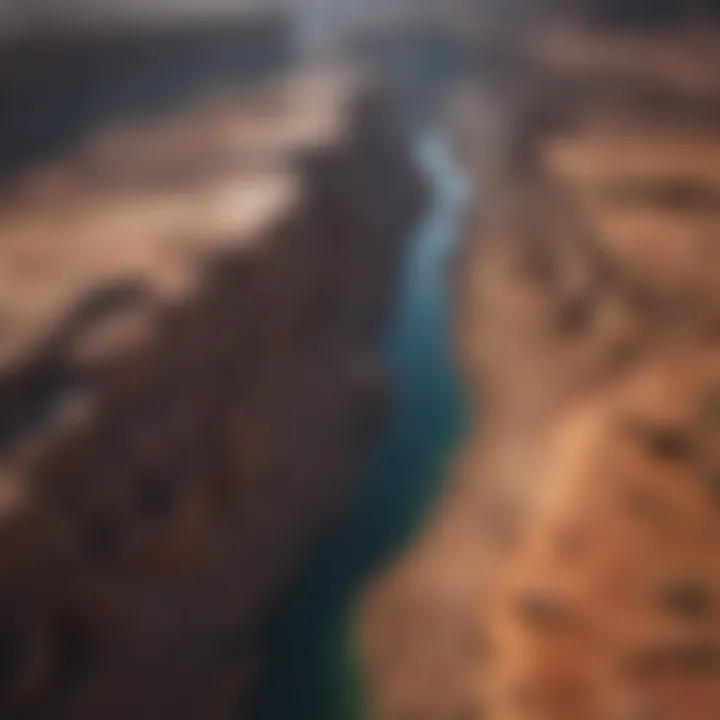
309 669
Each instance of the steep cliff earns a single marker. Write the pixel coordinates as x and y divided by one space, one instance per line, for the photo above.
187 377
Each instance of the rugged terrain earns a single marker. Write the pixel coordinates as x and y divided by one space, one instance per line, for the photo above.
569 572
190 303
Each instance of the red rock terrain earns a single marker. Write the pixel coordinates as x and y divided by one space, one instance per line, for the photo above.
570 571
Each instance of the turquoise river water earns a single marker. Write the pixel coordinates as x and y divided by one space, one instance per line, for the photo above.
309 672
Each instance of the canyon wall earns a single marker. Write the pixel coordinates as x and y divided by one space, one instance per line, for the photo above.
570 571
190 305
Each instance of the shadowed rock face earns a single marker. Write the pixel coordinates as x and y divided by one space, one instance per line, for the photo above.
189 310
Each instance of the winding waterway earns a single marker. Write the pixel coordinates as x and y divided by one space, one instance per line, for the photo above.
309 673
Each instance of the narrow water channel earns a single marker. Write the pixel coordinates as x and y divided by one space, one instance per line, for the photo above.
309 673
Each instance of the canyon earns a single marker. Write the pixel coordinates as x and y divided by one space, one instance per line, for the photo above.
399 384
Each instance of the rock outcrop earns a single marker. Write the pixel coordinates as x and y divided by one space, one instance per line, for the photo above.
187 376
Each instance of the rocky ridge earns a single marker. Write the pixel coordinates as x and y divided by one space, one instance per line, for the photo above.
187 377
